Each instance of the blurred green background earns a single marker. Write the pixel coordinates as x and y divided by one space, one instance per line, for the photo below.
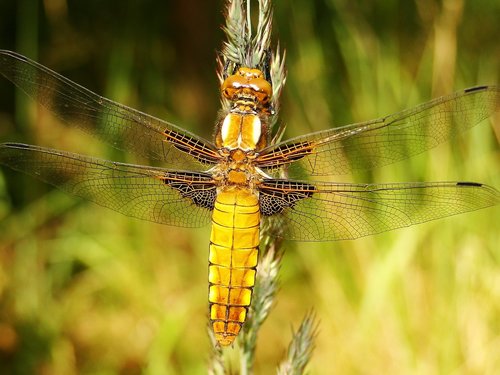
85 290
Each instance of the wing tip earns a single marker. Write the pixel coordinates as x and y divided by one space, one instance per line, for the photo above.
477 88
468 183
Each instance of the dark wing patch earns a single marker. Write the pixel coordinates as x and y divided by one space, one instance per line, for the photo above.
198 187
275 196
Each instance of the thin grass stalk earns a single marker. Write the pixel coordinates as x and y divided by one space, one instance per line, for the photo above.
264 294
301 348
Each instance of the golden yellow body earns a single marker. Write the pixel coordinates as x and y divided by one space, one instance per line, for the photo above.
234 241
234 244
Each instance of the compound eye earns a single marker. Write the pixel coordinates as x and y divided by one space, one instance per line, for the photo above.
226 93
229 86
262 89
262 97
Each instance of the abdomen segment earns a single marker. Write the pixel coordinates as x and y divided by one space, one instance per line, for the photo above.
234 244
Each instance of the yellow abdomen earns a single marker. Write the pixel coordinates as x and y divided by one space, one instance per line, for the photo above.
234 245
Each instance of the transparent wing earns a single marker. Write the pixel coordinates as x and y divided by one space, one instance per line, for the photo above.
328 211
154 194
120 126
386 140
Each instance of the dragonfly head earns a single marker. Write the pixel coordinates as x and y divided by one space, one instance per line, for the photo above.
247 85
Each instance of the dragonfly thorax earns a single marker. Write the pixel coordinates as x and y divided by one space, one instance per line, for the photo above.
239 131
244 126
236 169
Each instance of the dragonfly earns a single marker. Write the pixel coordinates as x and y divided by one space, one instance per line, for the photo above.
245 177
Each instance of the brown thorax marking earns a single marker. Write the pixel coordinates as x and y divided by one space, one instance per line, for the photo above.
237 168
